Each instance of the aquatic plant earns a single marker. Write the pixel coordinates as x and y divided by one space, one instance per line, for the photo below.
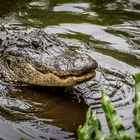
136 110
92 130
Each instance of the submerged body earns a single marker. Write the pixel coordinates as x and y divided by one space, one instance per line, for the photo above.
36 58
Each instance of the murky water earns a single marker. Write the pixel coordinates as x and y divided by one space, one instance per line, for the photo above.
107 31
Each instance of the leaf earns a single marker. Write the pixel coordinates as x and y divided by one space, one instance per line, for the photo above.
136 110
91 130
98 134
86 132
116 128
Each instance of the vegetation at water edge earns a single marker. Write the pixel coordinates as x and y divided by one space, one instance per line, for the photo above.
92 130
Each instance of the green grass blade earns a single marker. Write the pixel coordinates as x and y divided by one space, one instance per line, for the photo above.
116 128
136 110
91 130
98 134
86 132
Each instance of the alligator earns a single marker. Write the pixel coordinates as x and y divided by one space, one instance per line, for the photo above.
36 58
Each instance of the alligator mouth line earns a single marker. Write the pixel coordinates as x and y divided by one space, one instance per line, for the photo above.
31 76
50 79
70 80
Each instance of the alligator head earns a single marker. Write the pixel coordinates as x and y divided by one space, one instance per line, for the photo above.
36 58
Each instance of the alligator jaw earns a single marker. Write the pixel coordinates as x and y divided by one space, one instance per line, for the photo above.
54 80
50 79
23 72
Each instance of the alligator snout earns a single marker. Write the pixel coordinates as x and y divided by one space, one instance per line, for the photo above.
70 69
73 64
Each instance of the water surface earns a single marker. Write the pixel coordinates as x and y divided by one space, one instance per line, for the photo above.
109 31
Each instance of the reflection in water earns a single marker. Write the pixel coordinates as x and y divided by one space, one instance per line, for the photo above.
41 112
109 31
7 7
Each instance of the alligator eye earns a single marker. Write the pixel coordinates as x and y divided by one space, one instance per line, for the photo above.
8 61
35 44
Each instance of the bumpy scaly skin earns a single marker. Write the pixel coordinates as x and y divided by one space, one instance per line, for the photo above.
36 58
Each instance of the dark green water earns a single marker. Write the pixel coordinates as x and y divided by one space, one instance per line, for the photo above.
109 31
